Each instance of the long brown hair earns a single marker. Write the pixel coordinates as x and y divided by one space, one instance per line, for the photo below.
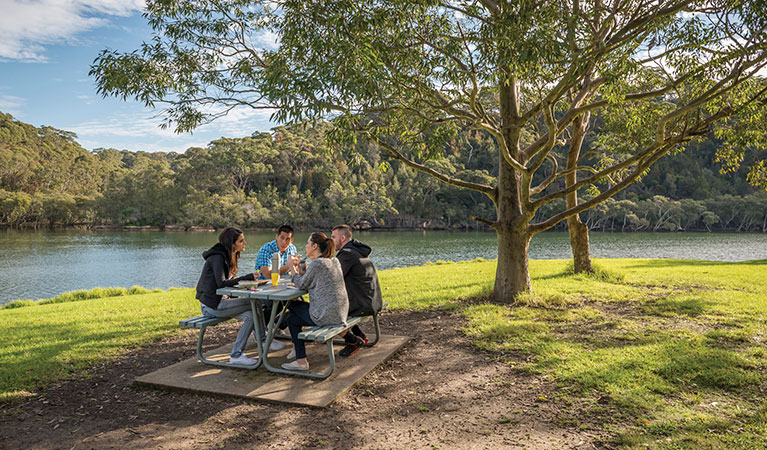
325 244
227 238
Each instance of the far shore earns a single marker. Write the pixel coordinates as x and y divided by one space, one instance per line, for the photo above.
198 229
357 227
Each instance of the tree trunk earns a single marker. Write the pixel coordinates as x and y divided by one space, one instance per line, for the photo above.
579 232
579 242
512 274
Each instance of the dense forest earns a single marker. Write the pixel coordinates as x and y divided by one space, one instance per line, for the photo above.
290 176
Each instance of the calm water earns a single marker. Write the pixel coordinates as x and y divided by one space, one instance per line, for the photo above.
42 264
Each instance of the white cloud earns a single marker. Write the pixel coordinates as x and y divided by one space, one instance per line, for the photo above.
266 39
241 122
11 105
122 125
141 131
27 26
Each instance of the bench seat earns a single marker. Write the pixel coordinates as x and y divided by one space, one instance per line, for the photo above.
326 333
202 323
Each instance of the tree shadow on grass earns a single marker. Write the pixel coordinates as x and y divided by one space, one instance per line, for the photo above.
671 307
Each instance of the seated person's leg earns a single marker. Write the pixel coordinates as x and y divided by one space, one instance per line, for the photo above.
245 330
358 331
349 337
227 308
297 319
238 308
353 343
267 314
281 309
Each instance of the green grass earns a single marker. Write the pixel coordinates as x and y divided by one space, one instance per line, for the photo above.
47 342
662 354
666 354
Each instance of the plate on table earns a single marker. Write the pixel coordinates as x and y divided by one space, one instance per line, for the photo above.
251 284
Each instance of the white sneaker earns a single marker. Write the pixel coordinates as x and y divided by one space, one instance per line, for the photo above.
295 365
276 345
292 354
242 359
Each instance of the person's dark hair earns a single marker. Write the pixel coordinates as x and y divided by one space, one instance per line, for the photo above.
227 238
345 230
326 245
285 228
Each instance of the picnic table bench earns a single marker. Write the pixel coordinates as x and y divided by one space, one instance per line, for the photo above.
327 334
203 322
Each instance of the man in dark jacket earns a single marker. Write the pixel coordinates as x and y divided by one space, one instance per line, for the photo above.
360 278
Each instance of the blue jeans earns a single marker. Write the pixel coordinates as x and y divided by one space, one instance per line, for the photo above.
298 318
239 308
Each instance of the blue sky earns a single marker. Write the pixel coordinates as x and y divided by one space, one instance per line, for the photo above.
46 49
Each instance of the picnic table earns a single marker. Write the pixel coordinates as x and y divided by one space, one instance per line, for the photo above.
283 292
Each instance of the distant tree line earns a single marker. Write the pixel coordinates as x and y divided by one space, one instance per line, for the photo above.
290 176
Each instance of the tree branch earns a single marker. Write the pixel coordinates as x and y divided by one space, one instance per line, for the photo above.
489 191
485 221
545 183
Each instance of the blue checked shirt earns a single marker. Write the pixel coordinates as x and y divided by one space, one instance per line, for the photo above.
264 257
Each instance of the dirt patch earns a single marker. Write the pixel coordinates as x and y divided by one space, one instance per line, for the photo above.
438 392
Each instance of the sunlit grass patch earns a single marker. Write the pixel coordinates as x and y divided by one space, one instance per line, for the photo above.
668 354
676 347
50 341
442 285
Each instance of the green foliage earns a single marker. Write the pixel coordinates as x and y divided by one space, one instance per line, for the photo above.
74 296
292 176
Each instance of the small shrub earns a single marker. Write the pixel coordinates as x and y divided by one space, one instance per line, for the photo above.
83 294
17 304
135 290
599 274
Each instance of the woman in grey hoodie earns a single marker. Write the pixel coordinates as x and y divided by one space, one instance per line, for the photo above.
328 302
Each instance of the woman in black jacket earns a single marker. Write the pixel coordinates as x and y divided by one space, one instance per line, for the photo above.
219 271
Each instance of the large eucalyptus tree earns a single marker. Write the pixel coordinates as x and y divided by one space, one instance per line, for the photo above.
407 75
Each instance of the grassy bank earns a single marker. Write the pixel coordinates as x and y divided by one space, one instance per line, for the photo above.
669 354
665 354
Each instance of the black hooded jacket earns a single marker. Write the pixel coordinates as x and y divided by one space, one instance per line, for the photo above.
215 275
360 278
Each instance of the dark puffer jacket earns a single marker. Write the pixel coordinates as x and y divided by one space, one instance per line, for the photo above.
360 278
215 275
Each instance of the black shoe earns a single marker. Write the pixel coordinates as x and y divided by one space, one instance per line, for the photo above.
350 349
363 337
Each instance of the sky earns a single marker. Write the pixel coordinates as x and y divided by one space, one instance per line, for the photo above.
46 49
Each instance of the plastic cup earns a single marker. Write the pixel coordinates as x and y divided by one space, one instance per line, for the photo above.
275 279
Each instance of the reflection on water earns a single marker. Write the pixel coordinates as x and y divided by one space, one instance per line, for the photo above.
42 264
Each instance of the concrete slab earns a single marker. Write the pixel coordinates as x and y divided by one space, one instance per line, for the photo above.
261 384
